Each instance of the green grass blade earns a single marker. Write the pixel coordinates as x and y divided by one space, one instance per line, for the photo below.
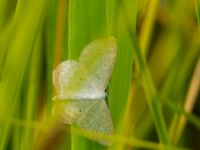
151 94
87 22
197 6
50 36
32 96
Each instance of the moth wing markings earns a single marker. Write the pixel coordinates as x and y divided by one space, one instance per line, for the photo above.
96 117
63 73
99 57
86 114
68 111
71 80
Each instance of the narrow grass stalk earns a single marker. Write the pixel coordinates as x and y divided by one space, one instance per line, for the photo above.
60 28
50 34
154 104
34 80
193 119
149 89
130 141
60 49
2 13
197 5
124 99
148 25
174 80
179 122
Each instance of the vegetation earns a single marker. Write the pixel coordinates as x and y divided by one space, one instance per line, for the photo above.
153 95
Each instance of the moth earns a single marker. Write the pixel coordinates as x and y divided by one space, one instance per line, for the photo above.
81 85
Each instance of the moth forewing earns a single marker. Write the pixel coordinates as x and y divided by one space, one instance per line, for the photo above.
71 81
99 57
64 75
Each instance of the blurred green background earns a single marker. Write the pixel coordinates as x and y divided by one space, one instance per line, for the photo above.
153 94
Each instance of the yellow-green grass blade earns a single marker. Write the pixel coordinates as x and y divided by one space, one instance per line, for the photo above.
197 9
164 55
148 25
32 92
130 141
19 50
56 50
122 73
50 36
2 13
6 12
151 93
176 94
149 89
